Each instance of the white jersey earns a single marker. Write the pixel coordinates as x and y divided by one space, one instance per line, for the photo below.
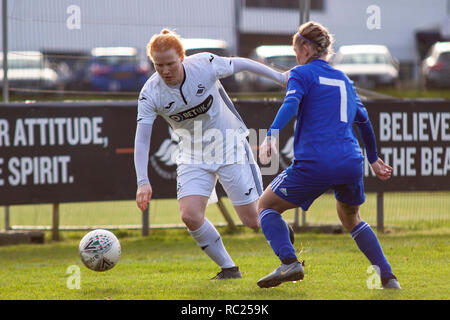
199 110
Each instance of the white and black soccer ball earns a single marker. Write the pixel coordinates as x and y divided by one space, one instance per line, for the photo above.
100 250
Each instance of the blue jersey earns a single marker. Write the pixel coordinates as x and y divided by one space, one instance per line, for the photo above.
325 147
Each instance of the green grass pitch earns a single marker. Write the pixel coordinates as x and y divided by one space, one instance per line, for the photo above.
168 265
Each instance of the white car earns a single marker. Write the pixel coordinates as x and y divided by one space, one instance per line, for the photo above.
435 71
197 45
367 65
279 57
215 46
27 70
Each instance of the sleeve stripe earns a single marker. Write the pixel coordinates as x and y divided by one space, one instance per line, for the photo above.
293 98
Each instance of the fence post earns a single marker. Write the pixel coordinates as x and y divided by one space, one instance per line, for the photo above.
146 221
7 226
380 212
5 89
296 218
55 222
226 215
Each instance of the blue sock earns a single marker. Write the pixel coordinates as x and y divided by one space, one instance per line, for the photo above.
276 232
368 243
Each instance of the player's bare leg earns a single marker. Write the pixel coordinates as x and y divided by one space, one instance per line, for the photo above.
348 214
270 200
249 215
367 242
192 209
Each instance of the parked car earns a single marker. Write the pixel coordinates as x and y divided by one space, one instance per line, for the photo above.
78 78
368 66
117 69
215 46
28 70
279 57
435 71
71 66
197 45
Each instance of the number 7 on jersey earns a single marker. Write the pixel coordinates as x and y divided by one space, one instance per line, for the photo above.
343 92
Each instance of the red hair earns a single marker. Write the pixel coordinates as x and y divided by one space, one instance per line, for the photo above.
165 40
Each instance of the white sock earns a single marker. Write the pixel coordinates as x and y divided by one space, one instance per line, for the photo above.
208 238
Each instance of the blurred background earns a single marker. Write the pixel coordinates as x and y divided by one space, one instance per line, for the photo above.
61 48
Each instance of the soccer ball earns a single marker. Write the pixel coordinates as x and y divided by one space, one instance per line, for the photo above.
99 250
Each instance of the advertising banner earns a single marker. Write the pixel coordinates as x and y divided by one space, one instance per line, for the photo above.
83 151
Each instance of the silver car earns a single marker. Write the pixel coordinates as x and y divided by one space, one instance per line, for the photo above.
28 70
368 66
215 46
279 57
435 72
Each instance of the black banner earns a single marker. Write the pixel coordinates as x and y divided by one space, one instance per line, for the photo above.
413 137
65 152
70 152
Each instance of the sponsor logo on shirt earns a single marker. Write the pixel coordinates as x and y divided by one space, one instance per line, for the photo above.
195 111
290 92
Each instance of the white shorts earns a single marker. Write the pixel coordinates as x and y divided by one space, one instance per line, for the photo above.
241 181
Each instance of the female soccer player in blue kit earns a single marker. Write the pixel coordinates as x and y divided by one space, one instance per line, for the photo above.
326 156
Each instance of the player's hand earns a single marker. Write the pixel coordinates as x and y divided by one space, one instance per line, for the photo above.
381 169
143 196
266 148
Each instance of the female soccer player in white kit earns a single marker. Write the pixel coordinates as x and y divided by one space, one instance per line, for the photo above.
185 91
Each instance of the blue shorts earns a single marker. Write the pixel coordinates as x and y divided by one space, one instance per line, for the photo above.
291 186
